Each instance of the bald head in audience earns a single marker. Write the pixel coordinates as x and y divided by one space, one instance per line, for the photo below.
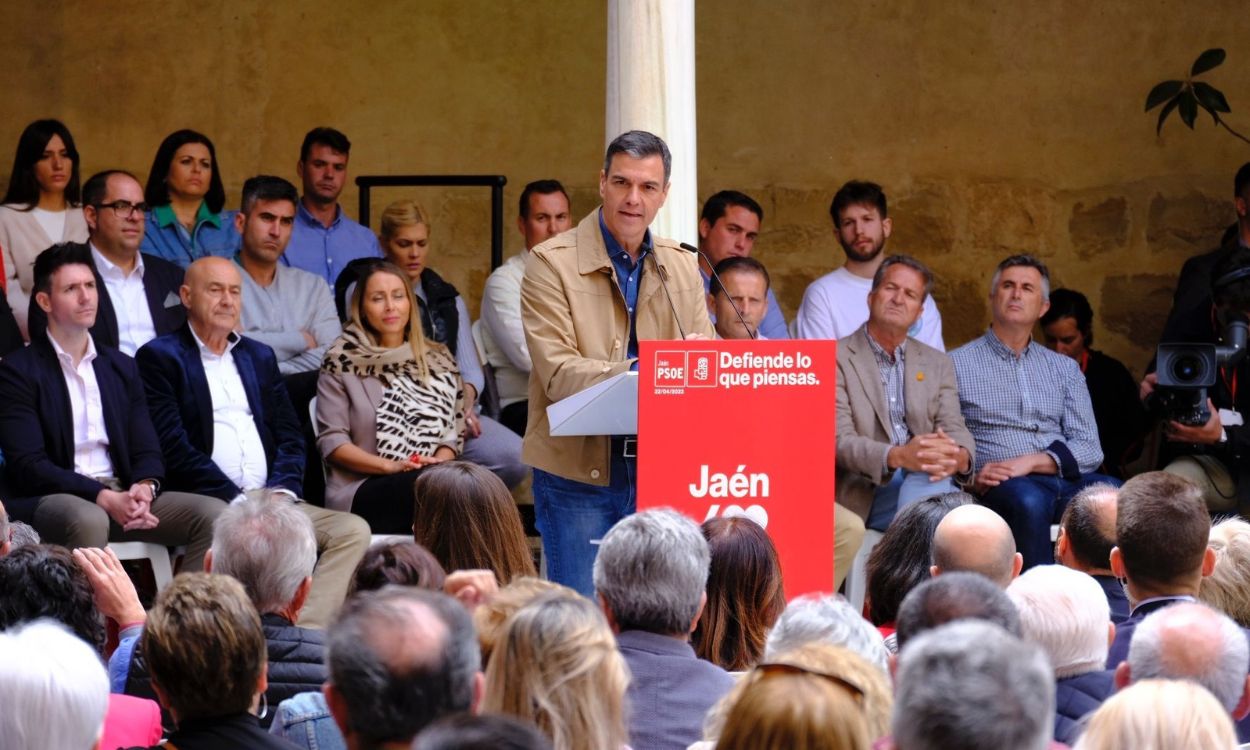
1087 530
975 539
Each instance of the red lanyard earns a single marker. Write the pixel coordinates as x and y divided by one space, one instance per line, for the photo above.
1084 360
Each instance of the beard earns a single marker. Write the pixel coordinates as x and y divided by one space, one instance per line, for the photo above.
855 254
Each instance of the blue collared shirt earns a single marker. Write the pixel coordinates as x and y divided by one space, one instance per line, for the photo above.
213 234
628 277
325 251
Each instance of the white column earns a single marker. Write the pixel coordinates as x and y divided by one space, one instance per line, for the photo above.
650 87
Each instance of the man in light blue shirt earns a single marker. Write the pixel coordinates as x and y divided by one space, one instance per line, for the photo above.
728 226
324 240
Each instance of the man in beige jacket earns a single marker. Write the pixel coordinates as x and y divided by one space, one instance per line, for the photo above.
588 296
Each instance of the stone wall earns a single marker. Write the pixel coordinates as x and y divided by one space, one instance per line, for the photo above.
995 127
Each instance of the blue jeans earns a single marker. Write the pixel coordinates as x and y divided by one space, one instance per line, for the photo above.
572 517
1030 504
903 489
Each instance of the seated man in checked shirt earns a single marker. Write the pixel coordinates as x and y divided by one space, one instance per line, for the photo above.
1028 410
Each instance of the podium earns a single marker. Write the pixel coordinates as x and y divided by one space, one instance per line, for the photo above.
606 408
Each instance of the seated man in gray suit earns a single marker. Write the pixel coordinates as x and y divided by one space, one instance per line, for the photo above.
901 436
651 579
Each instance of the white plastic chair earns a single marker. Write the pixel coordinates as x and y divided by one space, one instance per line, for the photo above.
156 554
857 576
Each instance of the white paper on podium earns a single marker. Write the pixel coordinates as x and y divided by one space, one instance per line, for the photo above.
607 408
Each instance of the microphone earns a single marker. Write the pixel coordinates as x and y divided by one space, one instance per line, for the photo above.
660 273
700 253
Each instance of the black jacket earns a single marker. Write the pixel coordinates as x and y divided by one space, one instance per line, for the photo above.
1077 696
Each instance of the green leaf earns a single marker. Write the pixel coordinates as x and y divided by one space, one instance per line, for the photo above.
1163 113
1211 98
1161 93
1206 61
1189 107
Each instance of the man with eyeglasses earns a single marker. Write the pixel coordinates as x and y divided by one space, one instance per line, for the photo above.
138 292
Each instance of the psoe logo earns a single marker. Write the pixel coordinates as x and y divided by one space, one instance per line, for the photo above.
702 369
670 369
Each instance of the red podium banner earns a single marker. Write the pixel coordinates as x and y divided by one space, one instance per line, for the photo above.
744 428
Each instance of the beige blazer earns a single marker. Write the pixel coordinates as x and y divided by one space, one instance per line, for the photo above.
932 401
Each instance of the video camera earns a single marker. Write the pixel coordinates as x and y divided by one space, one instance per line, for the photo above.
1186 371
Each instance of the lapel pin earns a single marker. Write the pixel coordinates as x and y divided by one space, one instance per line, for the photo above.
920 376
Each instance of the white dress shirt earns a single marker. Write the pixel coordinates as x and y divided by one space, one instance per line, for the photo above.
237 448
130 303
91 440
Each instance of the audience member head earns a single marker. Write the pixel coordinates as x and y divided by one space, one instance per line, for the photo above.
633 185
399 562
114 209
1066 613
729 225
1190 641
860 220
385 308
205 648
1225 589
266 219
1159 715
22 535
43 581
212 292
53 688
1230 285
322 166
743 284
65 288
973 685
270 547
951 597
1068 326
467 518
902 559
827 619
651 573
899 289
544 212
1019 294
185 169
1161 530
46 164
398 659
490 617
404 234
484 732
557 665
1087 530
975 539
745 594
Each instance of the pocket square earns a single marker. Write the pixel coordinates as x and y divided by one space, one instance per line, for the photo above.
172 300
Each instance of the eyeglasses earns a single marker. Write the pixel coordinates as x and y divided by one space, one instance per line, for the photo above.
771 669
124 209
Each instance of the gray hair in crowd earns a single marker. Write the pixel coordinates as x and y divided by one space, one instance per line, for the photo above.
22 535
652 570
974 686
825 619
951 597
1205 647
909 262
53 689
1027 261
1066 613
639 144
268 545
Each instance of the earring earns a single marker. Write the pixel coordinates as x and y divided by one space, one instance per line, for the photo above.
264 706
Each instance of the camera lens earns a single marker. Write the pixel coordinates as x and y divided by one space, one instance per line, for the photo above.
1187 368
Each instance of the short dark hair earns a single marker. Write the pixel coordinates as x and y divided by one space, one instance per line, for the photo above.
23 187
910 262
540 187
42 580
737 264
1069 303
54 258
716 206
1161 528
639 144
400 562
267 188
1241 182
1027 261
325 137
482 732
389 701
156 193
955 596
900 562
1089 545
96 186
856 193
1230 281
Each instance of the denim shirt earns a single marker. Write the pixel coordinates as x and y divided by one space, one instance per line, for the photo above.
324 250
304 720
628 277
213 234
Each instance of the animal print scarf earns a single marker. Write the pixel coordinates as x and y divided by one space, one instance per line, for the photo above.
417 414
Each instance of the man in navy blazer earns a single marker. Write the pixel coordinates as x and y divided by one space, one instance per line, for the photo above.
227 427
82 461
138 292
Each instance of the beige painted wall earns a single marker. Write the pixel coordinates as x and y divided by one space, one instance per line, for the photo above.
994 126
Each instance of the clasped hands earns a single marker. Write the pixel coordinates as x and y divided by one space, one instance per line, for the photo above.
935 453
132 508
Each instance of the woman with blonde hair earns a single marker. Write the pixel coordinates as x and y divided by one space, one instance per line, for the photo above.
490 618
790 707
557 665
1160 715
389 403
